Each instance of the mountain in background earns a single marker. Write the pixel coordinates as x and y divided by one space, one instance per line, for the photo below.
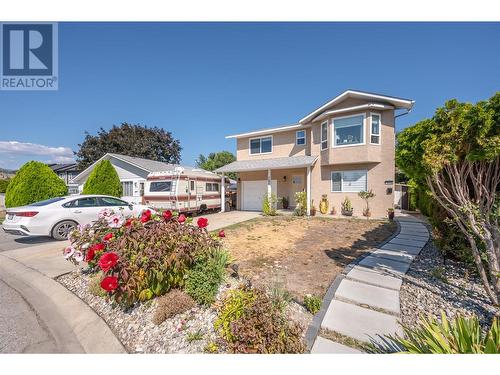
6 173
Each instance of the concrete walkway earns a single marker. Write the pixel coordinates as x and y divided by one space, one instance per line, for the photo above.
71 326
224 219
363 303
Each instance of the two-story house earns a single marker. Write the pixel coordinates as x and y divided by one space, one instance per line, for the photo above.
339 149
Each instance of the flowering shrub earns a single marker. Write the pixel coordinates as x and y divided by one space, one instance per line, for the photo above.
141 257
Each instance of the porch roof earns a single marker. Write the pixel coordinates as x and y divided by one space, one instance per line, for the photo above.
265 164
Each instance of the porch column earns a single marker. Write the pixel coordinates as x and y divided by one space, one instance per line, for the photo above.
223 193
269 187
308 191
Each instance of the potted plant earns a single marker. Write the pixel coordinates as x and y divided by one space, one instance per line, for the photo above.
285 203
313 208
323 204
346 207
333 211
366 196
390 213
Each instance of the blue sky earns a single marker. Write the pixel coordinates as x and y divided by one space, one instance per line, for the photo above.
207 80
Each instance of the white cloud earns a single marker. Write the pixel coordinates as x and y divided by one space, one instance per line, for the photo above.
20 152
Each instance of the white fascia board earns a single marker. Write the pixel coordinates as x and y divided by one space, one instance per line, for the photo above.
355 108
408 104
267 131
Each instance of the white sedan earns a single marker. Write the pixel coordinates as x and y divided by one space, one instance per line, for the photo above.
57 217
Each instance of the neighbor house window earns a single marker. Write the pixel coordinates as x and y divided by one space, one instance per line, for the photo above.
300 136
210 186
262 145
324 135
160 186
349 181
127 189
375 129
348 130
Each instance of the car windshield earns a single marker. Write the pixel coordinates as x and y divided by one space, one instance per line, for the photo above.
46 202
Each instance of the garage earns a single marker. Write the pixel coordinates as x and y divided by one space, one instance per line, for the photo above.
253 194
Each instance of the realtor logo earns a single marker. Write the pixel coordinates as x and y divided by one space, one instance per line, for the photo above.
28 58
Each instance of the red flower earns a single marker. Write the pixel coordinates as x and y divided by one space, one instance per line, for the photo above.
90 254
182 218
98 247
109 283
167 215
146 216
108 261
107 237
222 234
128 222
202 222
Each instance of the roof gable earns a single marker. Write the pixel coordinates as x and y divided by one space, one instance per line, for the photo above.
398 103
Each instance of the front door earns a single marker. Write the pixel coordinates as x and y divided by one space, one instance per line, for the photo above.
298 185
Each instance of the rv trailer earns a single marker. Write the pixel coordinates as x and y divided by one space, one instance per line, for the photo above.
184 189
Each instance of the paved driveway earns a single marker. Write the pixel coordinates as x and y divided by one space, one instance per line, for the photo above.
11 242
225 219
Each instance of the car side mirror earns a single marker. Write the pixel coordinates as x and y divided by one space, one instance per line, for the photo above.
131 206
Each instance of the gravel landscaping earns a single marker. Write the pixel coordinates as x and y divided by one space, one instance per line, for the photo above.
190 332
430 286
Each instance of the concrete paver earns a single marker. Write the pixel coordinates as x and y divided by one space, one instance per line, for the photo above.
325 346
385 264
401 248
360 323
370 295
394 255
374 277
408 242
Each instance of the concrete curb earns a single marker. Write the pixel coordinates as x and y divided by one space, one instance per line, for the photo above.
76 328
315 325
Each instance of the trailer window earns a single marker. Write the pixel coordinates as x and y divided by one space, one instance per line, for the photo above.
212 186
159 186
192 185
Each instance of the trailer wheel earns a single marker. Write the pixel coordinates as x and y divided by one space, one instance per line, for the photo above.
203 208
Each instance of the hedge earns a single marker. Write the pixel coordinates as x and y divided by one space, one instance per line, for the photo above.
103 180
3 184
34 182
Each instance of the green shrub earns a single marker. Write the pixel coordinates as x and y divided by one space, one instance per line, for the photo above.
312 303
103 180
301 201
281 297
206 276
34 182
171 304
249 322
462 335
269 205
346 206
3 184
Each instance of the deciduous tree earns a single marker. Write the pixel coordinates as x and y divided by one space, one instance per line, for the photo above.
456 154
216 160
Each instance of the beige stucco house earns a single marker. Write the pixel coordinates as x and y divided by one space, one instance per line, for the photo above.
339 149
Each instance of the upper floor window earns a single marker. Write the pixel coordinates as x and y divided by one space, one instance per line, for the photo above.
348 130
324 135
375 129
300 137
262 145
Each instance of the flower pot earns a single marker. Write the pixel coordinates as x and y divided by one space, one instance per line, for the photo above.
390 215
313 212
346 213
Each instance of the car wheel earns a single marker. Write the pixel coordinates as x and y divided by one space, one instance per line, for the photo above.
62 230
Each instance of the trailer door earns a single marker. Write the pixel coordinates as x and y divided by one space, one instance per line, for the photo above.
192 199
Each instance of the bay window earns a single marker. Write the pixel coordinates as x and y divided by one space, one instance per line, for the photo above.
348 131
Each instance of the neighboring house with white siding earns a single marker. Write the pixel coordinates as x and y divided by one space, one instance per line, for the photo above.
132 172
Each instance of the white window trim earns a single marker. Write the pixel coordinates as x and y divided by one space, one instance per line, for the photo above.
297 137
379 128
321 136
342 180
341 117
260 153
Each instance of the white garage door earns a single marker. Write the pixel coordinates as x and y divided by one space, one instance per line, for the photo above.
253 193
